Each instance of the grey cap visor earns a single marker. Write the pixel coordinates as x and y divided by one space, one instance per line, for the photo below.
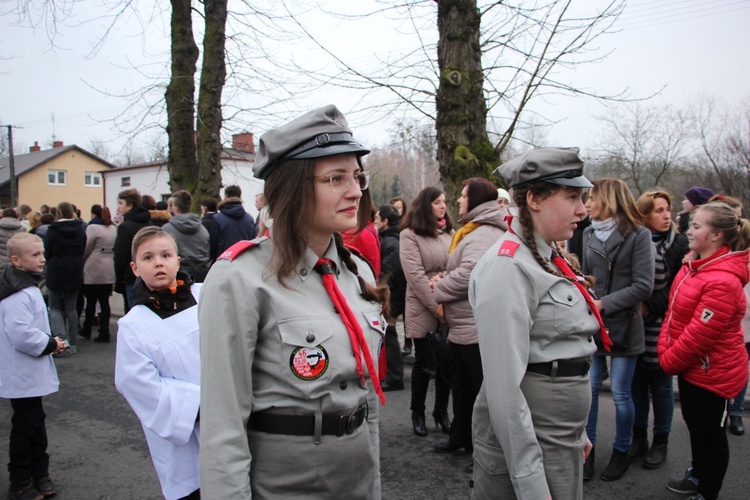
569 178
322 145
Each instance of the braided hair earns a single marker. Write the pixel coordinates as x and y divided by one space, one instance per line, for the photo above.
379 293
542 190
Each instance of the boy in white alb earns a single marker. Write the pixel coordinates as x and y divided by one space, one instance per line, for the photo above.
27 371
157 365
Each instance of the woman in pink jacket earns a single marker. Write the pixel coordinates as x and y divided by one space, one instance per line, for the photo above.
701 340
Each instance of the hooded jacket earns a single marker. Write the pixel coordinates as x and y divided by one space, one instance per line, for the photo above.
701 338
192 244
453 289
137 218
8 227
64 245
231 224
390 266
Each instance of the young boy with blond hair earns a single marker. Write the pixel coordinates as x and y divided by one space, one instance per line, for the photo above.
27 372
157 366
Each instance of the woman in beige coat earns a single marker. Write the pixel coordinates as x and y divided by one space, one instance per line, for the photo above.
425 239
98 271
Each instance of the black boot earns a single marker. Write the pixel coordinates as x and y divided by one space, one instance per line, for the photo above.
85 330
588 466
736 426
639 444
658 452
418 423
618 464
103 335
442 420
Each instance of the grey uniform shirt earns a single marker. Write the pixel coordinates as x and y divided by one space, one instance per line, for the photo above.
524 315
265 346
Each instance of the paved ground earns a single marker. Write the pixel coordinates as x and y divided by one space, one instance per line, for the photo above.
98 450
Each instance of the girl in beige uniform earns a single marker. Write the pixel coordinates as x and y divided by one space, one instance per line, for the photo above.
290 331
536 325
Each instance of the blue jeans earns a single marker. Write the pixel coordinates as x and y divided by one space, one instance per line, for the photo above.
63 315
621 372
737 408
659 385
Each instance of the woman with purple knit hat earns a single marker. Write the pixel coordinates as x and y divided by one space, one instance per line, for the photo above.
694 197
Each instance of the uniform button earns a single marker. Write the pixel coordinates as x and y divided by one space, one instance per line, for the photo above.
570 297
303 272
342 385
590 313
310 338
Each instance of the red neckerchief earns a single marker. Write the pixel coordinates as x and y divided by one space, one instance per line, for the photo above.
565 269
356 335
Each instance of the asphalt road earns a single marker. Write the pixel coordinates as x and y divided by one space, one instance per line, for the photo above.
98 450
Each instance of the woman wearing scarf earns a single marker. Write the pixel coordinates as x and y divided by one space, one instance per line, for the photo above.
618 252
669 248
483 226
425 239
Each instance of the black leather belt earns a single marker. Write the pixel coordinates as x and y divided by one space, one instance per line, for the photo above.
561 368
332 424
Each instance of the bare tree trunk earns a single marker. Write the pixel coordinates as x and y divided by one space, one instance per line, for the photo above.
213 75
180 100
464 149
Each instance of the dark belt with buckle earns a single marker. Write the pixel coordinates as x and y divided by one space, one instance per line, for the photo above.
332 424
561 368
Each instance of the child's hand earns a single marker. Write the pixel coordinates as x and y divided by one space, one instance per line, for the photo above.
60 345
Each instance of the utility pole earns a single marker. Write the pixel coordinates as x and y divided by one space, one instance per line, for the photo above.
11 167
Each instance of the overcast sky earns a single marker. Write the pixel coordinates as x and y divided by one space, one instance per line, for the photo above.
687 47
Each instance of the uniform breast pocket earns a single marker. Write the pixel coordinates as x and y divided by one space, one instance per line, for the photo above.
568 306
307 348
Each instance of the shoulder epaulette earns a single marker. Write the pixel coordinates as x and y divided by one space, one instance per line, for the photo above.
235 250
508 248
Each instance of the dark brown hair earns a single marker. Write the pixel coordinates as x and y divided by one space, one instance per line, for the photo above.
232 192
403 204
148 202
65 211
421 218
480 191
103 213
130 196
182 200
290 194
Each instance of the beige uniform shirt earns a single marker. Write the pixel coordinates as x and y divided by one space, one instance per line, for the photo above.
524 315
265 346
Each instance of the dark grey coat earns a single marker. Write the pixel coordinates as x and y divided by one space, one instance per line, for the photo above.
632 283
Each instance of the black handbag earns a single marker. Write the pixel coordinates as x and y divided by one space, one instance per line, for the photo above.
438 339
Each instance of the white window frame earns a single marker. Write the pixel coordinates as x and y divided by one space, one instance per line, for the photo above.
94 179
56 174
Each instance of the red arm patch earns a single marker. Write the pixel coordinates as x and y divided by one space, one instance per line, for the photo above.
232 252
508 248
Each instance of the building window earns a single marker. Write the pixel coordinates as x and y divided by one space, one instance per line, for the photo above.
57 177
92 179
125 182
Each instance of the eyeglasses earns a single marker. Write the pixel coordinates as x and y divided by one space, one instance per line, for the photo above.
342 182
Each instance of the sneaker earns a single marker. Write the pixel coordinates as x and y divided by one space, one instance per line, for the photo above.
72 349
697 497
24 492
688 485
45 486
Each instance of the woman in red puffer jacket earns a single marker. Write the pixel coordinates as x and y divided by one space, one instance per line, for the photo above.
701 340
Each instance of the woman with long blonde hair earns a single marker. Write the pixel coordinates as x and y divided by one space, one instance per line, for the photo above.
618 252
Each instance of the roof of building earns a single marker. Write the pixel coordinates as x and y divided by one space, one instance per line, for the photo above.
227 154
29 161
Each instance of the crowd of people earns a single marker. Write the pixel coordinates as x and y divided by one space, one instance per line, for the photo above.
519 309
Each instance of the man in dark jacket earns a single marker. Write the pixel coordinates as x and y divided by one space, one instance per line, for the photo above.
135 217
387 221
208 210
231 224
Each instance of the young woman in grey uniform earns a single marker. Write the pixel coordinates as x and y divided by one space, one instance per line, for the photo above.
290 331
536 324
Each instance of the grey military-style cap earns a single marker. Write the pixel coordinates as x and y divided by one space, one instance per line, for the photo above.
323 132
561 166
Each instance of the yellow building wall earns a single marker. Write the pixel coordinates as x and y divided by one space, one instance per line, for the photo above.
35 190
